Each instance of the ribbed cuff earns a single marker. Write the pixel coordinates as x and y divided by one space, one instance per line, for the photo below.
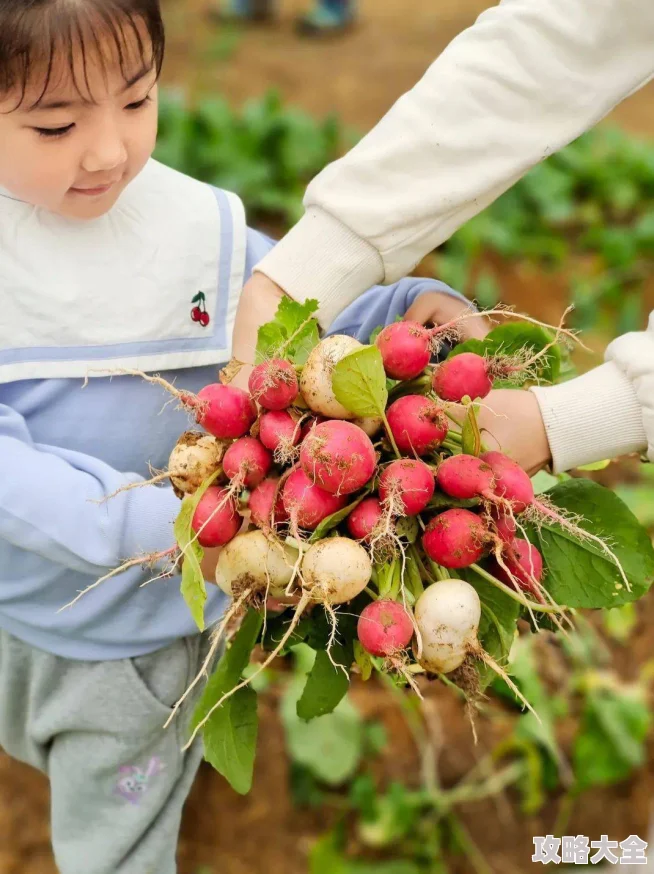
149 519
322 258
592 417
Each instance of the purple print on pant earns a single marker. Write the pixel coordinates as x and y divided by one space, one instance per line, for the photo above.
134 781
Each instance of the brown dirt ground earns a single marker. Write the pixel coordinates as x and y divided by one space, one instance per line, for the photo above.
358 77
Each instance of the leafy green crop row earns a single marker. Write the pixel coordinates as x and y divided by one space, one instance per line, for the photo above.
588 210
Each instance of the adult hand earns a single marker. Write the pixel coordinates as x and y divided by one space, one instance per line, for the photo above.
439 308
257 305
511 421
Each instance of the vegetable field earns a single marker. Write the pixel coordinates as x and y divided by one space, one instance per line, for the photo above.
410 762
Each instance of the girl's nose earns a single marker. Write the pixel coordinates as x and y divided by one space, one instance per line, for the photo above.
106 152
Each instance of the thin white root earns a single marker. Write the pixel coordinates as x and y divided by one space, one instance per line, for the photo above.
508 311
299 610
215 642
144 560
488 660
160 477
155 380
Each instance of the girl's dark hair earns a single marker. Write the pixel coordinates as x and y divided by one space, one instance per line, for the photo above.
34 33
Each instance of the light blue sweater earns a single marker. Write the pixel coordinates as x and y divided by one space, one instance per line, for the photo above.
62 449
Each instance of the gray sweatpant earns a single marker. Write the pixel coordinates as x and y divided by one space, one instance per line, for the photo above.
118 780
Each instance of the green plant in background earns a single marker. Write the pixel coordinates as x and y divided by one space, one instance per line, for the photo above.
265 152
587 211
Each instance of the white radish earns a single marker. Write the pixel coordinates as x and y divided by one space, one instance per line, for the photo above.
256 562
335 570
316 379
195 457
447 616
370 425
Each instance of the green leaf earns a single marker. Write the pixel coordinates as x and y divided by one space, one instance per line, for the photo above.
611 740
336 518
579 574
230 733
595 465
359 382
198 297
441 501
499 620
327 682
193 587
512 338
408 527
619 622
363 660
330 746
230 739
375 333
470 434
326 857
292 332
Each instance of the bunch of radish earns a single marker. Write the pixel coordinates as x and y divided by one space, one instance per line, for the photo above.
354 477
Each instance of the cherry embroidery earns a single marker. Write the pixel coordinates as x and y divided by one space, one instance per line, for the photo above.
199 312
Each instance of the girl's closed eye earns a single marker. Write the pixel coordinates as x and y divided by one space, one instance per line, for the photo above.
53 132
138 104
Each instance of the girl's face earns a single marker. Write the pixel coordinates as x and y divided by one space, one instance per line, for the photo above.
76 149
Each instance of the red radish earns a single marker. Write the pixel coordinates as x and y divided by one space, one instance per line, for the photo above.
274 384
215 520
461 375
406 486
306 503
261 504
338 456
247 459
363 520
278 428
465 477
418 424
405 349
512 484
310 423
384 628
223 410
456 538
505 526
525 564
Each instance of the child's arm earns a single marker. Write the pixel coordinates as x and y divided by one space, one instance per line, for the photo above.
49 504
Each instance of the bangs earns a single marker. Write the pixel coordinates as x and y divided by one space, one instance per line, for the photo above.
42 42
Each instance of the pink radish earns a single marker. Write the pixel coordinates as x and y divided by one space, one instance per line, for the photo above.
365 517
274 384
215 520
455 539
465 477
525 564
406 486
261 501
306 503
418 424
505 527
461 375
338 456
384 628
248 460
278 428
405 348
512 484
223 410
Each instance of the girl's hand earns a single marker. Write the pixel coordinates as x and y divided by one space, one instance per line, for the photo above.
439 307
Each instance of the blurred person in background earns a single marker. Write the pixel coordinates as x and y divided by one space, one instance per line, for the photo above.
525 80
324 18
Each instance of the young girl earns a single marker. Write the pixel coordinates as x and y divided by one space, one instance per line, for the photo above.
102 253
